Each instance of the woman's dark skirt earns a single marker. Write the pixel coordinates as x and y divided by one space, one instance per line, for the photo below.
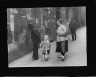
58 47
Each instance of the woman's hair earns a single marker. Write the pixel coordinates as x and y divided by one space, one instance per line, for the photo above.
60 21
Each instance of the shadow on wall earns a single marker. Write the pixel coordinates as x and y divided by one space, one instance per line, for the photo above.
13 55
23 49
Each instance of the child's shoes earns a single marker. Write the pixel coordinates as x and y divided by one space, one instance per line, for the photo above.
43 59
46 59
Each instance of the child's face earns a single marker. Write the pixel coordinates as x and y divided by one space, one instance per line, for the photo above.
45 37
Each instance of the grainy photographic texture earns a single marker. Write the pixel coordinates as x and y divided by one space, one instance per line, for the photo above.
46 37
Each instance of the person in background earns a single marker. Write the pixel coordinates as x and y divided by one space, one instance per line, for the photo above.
45 46
62 40
73 26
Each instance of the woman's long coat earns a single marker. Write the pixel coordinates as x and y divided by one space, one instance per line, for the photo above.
60 33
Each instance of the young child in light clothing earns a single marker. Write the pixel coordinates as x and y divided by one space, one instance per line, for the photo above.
45 46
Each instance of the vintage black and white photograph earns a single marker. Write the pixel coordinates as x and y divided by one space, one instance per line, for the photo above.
34 76
48 76
46 36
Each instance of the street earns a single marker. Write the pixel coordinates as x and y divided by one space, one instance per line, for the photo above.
76 55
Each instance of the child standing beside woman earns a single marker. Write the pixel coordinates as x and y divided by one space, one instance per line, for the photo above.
45 46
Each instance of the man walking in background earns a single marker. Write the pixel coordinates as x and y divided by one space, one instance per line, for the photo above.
73 26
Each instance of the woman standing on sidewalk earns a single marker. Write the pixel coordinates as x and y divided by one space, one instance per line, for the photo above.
62 40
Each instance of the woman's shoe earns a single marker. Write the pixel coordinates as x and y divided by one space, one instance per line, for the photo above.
60 56
63 59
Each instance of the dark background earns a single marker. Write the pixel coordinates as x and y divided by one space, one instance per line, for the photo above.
79 71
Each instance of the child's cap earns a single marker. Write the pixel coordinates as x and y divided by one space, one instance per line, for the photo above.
46 36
